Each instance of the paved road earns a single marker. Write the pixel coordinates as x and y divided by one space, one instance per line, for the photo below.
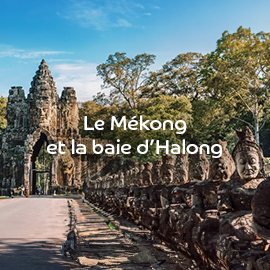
32 231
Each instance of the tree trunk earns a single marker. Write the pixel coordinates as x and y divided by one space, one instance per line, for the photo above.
256 118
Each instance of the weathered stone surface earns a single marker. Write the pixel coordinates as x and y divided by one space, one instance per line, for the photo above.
198 167
237 193
133 175
204 194
209 220
139 177
156 172
40 118
222 168
181 168
147 174
261 209
248 157
121 179
167 169
236 233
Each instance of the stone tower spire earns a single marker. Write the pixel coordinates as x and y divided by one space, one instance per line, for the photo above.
43 80
43 99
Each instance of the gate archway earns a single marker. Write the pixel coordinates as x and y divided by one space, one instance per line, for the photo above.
40 166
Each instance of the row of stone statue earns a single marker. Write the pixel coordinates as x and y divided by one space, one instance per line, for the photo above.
222 220
171 170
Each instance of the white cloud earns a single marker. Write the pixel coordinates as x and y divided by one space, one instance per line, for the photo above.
122 22
139 6
9 51
87 16
81 76
155 7
103 14
39 54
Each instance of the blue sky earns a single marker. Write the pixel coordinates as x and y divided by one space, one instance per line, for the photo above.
74 36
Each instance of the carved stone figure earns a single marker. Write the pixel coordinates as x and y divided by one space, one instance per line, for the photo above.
127 179
202 227
235 197
237 193
133 175
181 168
121 180
248 157
147 174
261 209
198 167
167 169
222 168
156 172
204 194
115 180
139 176
67 163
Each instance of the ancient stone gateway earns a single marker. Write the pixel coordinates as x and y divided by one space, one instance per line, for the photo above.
40 119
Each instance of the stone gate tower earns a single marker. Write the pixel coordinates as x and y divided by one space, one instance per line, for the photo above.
40 118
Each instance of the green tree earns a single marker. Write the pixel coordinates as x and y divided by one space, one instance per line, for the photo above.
163 107
125 77
237 75
180 76
183 77
94 112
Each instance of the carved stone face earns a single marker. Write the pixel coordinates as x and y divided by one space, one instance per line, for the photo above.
247 165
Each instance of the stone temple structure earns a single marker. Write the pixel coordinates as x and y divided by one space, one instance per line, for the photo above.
40 118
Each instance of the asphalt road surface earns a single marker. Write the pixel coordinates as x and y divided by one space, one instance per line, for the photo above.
32 231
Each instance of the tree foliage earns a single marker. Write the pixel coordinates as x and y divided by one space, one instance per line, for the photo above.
158 108
237 74
125 77
3 108
181 77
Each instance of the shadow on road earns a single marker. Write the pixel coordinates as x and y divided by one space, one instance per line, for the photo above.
15 254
